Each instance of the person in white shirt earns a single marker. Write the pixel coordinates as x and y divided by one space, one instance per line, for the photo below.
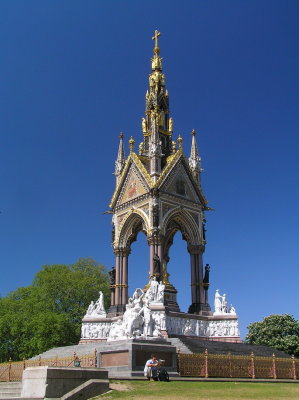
151 368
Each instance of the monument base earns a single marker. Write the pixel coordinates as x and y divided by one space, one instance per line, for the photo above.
127 358
153 313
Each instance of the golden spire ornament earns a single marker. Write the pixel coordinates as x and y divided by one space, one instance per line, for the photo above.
155 38
180 142
131 144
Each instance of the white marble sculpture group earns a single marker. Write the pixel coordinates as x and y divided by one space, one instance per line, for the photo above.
139 319
145 317
96 309
220 304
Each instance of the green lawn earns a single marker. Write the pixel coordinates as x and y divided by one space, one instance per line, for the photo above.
201 390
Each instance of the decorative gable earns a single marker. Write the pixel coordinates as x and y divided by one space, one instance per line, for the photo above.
133 182
133 186
179 183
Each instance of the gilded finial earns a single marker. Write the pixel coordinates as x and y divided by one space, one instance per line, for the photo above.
170 125
193 133
173 147
180 142
131 144
155 38
143 124
121 135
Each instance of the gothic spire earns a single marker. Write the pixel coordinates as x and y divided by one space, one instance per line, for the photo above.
120 161
157 127
194 159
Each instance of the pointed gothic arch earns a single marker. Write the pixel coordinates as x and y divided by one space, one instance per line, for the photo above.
134 222
179 219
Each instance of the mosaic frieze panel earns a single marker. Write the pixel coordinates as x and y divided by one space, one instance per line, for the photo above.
133 186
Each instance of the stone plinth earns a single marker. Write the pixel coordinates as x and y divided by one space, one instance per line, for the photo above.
126 358
55 382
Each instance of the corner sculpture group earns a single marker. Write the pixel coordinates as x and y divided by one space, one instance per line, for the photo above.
220 304
98 308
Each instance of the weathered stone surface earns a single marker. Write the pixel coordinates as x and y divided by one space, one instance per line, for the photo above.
54 382
89 389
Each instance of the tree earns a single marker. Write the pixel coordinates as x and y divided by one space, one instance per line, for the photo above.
48 313
278 331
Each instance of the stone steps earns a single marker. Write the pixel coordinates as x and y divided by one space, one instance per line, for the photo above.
10 390
68 351
89 348
180 346
218 347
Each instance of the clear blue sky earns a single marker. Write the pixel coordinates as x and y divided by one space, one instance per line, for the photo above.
74 73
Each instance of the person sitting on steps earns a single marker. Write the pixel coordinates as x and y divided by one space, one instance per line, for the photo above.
151 368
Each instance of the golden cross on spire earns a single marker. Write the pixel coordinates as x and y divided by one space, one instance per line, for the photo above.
155 37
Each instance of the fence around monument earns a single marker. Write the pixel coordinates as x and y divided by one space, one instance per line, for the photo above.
202 365
12 371
232 366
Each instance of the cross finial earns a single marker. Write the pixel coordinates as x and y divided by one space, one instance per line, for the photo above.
155 37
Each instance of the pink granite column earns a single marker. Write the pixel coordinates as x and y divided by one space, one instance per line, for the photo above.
152 253
117 278
200 278
197 289
112 296
193 278
125 279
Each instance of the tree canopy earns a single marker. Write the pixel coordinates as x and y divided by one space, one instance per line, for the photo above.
48 313
278 331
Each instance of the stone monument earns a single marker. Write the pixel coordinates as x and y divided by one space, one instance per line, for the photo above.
158 191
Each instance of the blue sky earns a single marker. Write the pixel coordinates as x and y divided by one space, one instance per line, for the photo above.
74 73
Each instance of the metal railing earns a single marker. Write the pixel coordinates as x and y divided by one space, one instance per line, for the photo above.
13 370
231 366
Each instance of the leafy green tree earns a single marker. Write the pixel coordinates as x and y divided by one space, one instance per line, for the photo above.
48 313
278 331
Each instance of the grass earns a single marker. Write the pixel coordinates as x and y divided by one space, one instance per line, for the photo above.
201 390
